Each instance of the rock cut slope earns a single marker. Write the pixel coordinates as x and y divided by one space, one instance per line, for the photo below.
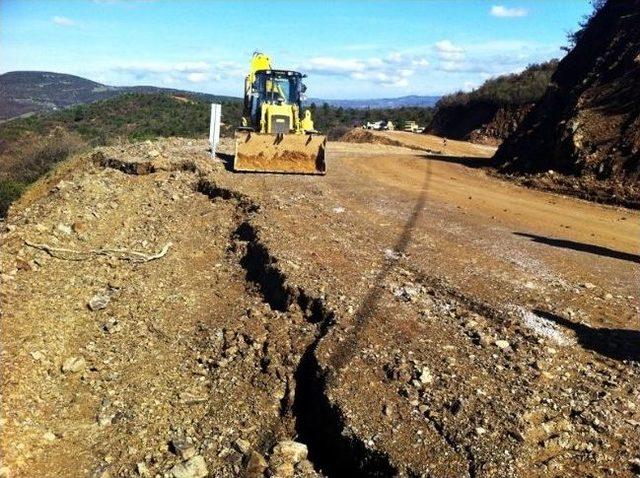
588 123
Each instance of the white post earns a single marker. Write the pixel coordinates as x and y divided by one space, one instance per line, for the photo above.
214 128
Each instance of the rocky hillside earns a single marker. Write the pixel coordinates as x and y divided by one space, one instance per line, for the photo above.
491 112
587 125
24 92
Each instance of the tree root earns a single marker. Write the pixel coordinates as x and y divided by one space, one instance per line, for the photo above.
124 254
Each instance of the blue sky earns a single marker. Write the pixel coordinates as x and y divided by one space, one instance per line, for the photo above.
349 49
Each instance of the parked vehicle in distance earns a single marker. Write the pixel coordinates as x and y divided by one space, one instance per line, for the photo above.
413 127
379 125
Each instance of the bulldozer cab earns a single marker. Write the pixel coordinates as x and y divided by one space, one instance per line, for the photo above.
279 85
275 87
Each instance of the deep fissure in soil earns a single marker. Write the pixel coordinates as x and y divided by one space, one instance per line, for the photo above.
318 423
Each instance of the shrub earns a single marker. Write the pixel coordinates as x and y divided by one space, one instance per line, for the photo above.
10 190
506 90
29 158
33 156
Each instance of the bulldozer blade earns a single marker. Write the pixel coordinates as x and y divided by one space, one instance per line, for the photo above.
281 153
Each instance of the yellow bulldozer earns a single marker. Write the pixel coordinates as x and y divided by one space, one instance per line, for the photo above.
273 137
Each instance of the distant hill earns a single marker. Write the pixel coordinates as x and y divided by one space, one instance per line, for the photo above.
492 111
31 146
23 92
132 116
401 102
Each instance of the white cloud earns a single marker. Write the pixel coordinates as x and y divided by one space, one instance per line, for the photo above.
192 67
393 70
490 58
420 63
63 21
177 73
447 46
142 68
504 12
196 77
447 51
470 85
330 65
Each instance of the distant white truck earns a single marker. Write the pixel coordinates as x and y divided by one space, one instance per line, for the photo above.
413 127
379 126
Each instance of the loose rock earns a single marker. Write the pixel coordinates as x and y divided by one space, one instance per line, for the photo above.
100 300
502 344
256 465
195 467
290 451
73 365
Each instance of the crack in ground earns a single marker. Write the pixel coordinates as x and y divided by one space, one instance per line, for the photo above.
140 168
454 445
318 423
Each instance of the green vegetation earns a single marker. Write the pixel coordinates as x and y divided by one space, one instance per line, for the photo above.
335 122
507 90
573 37
30 147
30 157
134 117
10 190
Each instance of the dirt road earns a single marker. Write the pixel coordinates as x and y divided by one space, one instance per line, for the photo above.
448 147
404 315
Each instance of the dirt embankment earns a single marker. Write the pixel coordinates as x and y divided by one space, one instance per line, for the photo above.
359 135
402 315
427 143
430 144
587 126
478 122
478 155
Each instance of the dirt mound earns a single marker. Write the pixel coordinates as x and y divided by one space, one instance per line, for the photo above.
588 122
358 135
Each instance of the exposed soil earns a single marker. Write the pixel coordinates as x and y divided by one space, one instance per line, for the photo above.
479 123
406 314
359 135
587 125
437 145
606 191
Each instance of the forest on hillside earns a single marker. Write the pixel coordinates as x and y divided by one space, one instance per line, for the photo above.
31 146
507 90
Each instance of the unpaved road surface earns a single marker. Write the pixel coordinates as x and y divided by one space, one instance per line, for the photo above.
404 315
